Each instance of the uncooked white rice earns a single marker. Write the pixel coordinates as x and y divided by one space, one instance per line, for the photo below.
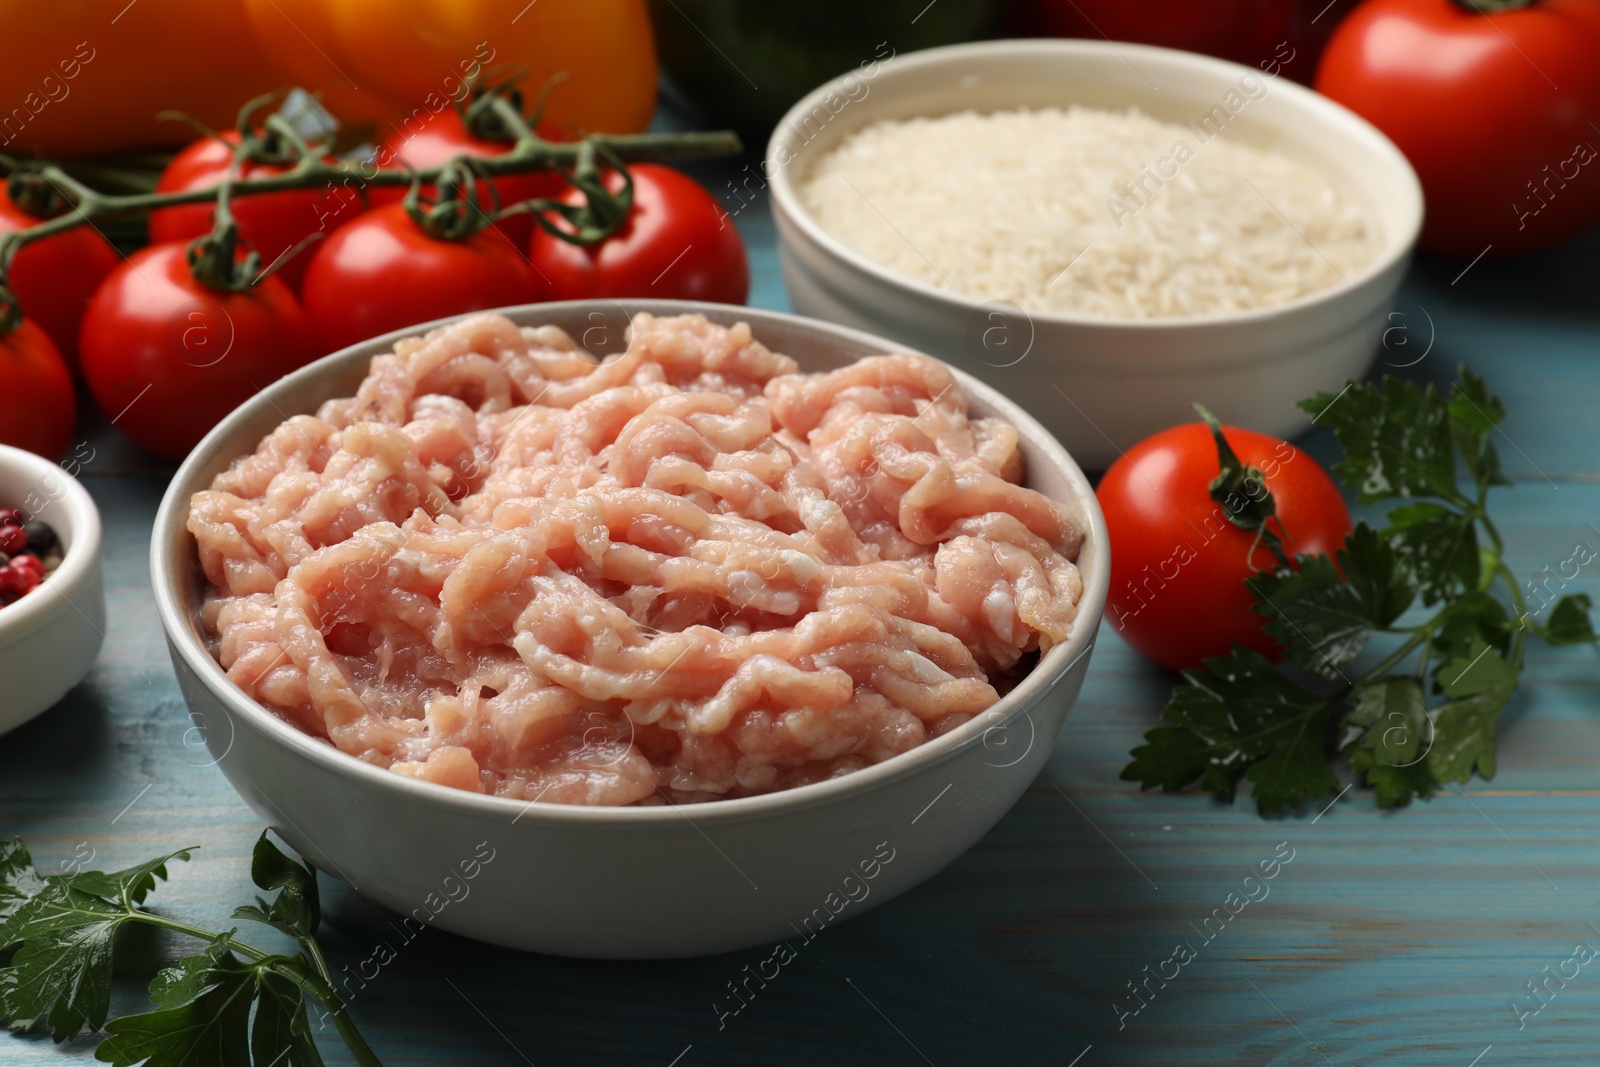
1041 209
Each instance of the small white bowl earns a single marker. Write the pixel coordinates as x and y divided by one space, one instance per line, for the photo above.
637 882
50 637
1101 385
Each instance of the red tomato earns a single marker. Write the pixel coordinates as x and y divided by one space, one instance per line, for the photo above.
1178 566
382 272
1245 31
54 278
166 357
272 223
37 407
679 244
442 136
1493 111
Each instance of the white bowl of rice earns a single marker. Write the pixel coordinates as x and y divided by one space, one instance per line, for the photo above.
1107 233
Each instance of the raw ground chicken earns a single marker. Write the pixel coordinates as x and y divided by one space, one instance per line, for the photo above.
684 573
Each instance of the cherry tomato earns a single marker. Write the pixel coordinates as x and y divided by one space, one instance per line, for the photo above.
272 223
678 244
1493 110
166 356
437 138
382 272
37 407
1178 566
1245 31
54 278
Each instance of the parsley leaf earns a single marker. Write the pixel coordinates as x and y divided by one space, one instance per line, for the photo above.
134 883
296 911
18 882
1473 617
1569 621
281 1030
1473 413
1464 741
1323 618
1394 786
64 927
1396 438
1292 773
1226 717
203 1018
1389 726
1437 546
60 979
1314 614
1378 578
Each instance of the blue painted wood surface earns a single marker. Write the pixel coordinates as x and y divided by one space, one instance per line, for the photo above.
1400 938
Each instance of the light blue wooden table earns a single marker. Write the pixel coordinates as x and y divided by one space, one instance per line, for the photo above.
1402 938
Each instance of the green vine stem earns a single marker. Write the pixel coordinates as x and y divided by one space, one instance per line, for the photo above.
529 152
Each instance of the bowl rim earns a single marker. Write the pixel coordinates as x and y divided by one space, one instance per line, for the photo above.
171 547
1394 252
80 557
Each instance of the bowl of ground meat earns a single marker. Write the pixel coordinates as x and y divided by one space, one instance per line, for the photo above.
635 630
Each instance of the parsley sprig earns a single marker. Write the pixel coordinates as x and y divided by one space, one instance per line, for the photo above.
1425 714
60 932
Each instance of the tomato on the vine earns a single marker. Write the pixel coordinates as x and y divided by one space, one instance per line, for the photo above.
383 272
677 243
167 356
440 137
37 407
1178 564
53 279
272 223
1492 109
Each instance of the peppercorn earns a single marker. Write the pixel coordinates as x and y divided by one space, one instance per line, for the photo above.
41 538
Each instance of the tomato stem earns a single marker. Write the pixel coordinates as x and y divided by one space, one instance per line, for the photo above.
455 212
214 259
1242 491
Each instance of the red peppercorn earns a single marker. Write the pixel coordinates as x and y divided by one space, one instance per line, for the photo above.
20 576
13 538
29 568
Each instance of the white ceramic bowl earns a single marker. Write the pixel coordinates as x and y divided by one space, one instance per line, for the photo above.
623 882
1100 385
50 637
